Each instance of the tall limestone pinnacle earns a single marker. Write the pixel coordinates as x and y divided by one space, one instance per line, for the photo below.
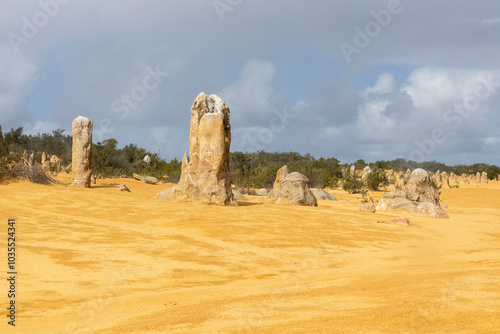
205 176
82 152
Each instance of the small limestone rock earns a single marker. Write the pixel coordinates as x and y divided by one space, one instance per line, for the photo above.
294 190
323 195
238 195
353 171
55 164
123 187
484 177
262 192
367 208
145 179
400 221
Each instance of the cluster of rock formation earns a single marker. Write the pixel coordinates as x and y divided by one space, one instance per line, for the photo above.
447 181
52 164
205 176
400 179
419 197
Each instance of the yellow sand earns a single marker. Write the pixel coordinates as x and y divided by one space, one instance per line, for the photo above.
102 261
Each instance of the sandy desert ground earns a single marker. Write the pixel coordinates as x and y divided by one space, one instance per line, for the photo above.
102 261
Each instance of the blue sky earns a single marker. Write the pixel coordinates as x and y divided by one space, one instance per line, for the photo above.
350 79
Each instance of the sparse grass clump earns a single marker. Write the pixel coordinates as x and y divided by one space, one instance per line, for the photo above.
33 173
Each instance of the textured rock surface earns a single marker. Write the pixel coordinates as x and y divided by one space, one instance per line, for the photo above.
429 210
272 196
407 175
294 190
323 195
280 176
205 177
82 151
420 189
453 181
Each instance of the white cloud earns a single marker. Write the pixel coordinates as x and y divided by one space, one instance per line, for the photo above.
41 127
159 134
252 96
384 85
435 89
372 120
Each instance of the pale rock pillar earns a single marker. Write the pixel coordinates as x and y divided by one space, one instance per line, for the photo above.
82 152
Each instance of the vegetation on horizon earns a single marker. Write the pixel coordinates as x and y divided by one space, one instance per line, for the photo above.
250 170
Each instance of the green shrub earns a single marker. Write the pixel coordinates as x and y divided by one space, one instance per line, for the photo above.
376 179
352 185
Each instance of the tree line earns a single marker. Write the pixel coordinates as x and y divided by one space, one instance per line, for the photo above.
249 170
